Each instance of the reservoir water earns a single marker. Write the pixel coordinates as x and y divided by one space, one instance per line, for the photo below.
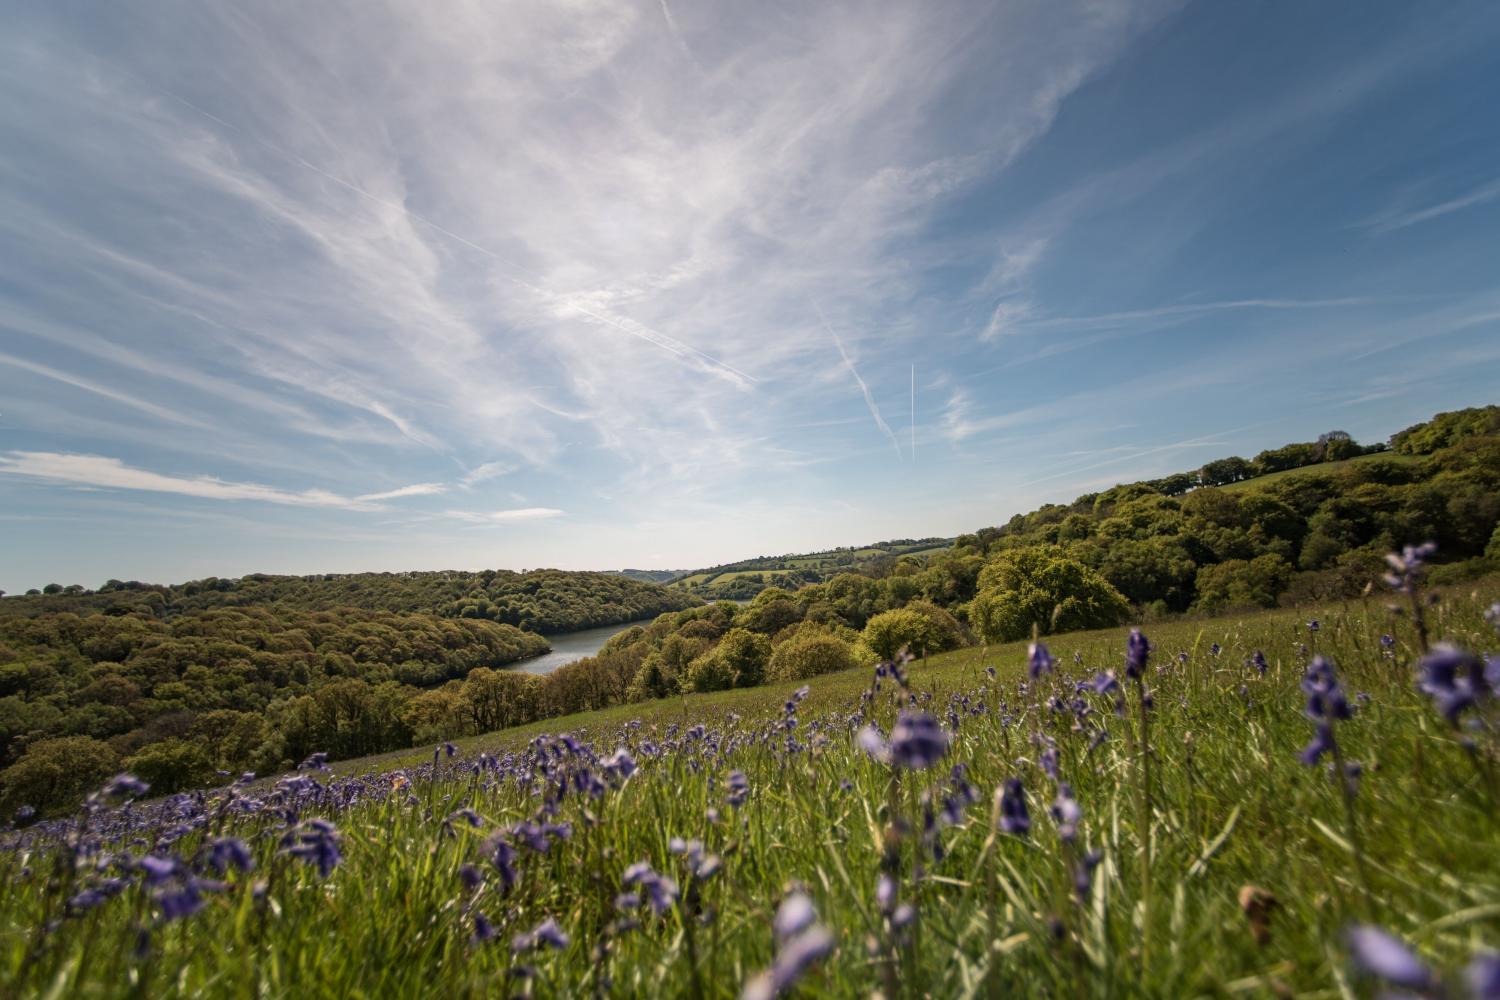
570 646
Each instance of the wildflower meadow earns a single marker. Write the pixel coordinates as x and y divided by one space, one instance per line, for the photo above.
1278 803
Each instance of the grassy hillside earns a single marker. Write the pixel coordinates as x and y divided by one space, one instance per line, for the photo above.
652 851
1321 468
648 575
746 578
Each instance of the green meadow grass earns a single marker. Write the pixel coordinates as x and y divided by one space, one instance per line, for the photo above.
1261 482
1229 807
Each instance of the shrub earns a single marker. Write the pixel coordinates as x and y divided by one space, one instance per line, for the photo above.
809 655
892 631
54 775
945 632
172 766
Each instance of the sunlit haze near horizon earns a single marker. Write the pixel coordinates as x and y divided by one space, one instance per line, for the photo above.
300 288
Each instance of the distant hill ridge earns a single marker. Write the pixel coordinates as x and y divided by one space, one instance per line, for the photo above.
547 601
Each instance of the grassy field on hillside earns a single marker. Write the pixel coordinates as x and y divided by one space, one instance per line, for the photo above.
1260 482
761 841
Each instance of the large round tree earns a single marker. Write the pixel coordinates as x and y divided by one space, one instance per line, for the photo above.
1041 586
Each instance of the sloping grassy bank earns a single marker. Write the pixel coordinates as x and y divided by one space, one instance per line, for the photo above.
684 847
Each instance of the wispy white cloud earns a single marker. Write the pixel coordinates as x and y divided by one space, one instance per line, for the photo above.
1005 318
94 388
525 229
1190 309
486 471
414 490
503 516
101 472
1395 219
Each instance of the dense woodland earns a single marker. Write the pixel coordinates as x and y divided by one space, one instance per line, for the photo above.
179 682
547 601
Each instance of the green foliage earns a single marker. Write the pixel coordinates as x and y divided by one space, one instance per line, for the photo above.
810 654
943 632
1447 429
544 600
1040 587
739 660
1243 583
117 678
172 766
55 774
892 631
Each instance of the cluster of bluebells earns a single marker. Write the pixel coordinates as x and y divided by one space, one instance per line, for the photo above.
1326 705
917 742
1407 567
1382 956
801 942
1458 680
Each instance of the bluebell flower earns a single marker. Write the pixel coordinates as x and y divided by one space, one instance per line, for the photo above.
1322 743
1038 660
918 741
1455 679
1325 698
806 943
795 914
124 786
503 856
661 891
885 893
1083 874
621 763
1049 762
739 788
1066 813
1408 565
1014 818
483 929
1137 653
1482 977
546 934
225 853
1384 956
316 842
157 870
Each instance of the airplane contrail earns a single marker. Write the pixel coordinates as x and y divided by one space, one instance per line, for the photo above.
848 363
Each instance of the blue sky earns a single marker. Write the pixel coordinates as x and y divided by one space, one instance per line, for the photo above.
335 287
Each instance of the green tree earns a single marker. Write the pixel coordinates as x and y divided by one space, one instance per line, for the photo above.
808 655
892 631
1240 583
172 766
1041 587
54 775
